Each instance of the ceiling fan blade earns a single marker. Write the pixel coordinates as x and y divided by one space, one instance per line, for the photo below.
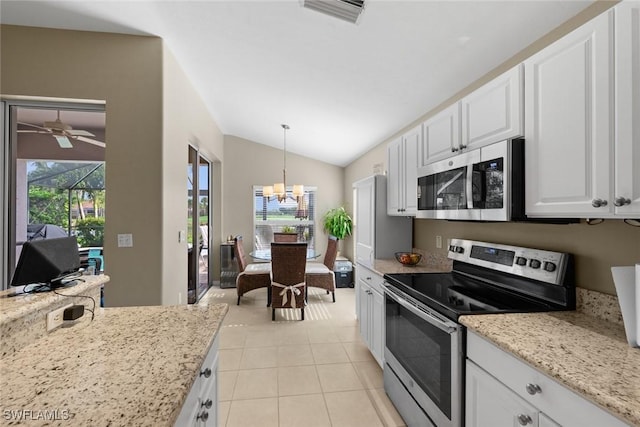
34 131
33 126
63 141
90 141
78 132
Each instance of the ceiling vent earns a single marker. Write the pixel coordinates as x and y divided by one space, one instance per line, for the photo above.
347 10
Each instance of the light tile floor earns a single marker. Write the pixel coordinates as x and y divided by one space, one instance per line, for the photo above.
316 372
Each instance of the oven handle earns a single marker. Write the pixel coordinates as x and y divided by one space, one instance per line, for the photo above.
420 311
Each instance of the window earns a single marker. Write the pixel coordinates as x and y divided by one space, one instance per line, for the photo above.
272 216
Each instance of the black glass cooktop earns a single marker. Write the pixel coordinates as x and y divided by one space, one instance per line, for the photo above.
454 294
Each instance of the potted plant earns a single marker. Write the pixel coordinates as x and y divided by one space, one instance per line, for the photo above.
338 223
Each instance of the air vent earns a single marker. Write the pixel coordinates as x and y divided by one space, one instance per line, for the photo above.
347 10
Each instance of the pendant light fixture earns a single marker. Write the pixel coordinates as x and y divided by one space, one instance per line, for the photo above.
280 189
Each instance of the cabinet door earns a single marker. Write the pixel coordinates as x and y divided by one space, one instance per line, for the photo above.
377 326
441 135
363 319
412 142
495 111
394 177
544 421
568 136
627 162
365 211
491 403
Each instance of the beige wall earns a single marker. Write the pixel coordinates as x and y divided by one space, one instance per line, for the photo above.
143 175
186 121
248 163
596 248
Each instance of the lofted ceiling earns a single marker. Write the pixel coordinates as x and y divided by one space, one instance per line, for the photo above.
342 88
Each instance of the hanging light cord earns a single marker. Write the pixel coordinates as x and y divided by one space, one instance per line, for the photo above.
284 155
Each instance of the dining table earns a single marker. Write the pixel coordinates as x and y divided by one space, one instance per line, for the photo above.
265 254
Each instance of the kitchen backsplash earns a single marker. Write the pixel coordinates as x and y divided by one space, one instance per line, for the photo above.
597 304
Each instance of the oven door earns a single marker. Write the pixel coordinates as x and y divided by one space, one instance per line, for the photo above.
424 350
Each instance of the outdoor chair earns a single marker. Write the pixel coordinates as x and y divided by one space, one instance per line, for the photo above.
251 276
321 275
288 261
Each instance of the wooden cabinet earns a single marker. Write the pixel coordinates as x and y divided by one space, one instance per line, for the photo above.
579 150
626 195
441 135
403 159
201 406
495 111
371 311
501 388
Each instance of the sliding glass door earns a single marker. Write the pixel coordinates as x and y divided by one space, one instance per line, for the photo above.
198 225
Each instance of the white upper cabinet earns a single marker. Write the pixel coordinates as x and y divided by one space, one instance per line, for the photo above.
626 195
569 141
441 135
403 156
495 111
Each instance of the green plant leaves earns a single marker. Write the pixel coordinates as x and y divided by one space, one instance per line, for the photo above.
338 223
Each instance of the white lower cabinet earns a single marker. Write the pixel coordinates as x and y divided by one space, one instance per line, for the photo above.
503 391
370 304
490 403
200 409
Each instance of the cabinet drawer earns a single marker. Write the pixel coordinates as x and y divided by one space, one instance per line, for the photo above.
558 402
371 278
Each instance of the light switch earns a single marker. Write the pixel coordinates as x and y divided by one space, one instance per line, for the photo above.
181 236
125 240
439 242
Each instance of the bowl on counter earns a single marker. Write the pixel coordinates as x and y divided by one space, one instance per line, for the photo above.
408 258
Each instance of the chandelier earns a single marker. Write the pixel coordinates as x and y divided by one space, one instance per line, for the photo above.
280 189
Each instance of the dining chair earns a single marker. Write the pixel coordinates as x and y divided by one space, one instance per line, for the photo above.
321 275
251 276
279 237
288 262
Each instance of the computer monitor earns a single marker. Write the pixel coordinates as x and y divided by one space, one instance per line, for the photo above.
47 262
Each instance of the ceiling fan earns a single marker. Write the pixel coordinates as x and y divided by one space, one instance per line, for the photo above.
62 132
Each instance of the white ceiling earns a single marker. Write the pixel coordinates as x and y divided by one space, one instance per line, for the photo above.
342 88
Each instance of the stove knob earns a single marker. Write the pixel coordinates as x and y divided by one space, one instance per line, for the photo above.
521 260
534 263
452 248
549 266
459 249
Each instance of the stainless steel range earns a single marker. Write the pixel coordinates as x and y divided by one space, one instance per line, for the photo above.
425 344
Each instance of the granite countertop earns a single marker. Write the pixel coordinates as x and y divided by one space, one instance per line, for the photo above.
14 304
586 354
430 263
129 366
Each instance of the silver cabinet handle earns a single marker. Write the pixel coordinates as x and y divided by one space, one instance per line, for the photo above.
533 389
462 146
208 403
204 416
598 203
368 277
524 419
453 149
621 201
206 373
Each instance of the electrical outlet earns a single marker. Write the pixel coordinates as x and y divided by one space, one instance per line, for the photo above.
54 318
439 242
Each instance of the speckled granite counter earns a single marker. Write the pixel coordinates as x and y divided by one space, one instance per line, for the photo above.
130 366
585 353
23 316
430 263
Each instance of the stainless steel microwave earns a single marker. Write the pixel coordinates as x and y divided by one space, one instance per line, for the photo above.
485 184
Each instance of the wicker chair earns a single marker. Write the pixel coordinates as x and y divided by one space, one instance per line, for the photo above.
288 261
321 275
251 276
279 237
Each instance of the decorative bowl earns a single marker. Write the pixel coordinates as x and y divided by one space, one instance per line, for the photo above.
408 258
